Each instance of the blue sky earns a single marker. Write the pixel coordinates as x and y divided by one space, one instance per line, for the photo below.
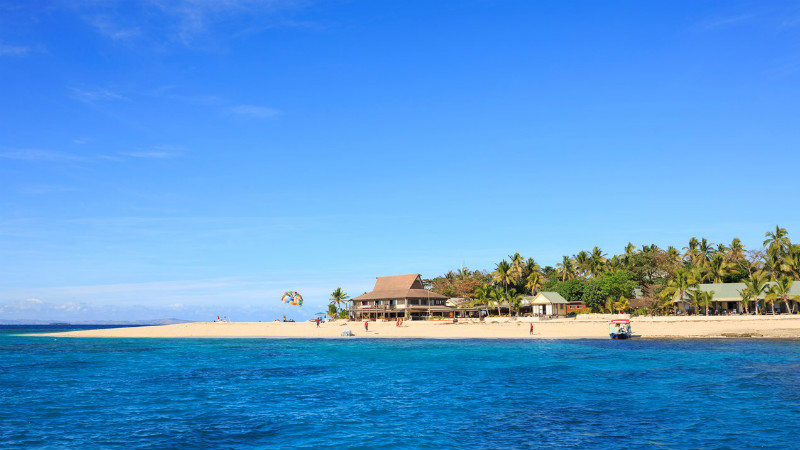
194 158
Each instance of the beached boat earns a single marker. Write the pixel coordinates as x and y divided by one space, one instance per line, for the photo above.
620 329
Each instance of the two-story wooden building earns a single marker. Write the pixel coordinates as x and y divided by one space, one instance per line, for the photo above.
399 296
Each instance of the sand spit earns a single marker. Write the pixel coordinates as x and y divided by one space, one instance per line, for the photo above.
778 327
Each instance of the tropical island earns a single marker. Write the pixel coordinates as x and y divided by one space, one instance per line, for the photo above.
705 290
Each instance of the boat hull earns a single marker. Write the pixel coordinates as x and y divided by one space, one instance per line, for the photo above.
620 336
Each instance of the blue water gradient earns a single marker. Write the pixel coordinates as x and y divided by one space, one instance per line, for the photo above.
376 394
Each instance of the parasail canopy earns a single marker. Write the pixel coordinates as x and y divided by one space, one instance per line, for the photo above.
292 298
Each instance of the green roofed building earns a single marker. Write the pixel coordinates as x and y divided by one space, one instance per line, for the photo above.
551 304
728 298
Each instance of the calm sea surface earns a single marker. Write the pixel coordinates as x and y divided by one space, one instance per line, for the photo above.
349 394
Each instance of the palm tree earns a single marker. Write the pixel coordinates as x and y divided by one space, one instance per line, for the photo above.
736 250
777 243
677 287
775 265
718 267
517 264
615 264
691 250
622 304
596 261
566 269
673 256
791 262
630 250
703 299
502 273
582 263
780 291
757 284
514 300
746 296
704 251
496 295
532 274
338 297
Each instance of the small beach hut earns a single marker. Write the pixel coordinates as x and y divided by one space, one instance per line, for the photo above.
549 304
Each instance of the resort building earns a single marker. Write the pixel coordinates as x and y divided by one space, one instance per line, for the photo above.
405 296
399 296
728 299
551 304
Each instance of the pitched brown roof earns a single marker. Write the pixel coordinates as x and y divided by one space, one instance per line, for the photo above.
399 286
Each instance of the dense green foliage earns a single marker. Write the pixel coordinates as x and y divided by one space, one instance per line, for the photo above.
647 279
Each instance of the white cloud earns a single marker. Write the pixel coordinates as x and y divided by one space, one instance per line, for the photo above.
149 155
40 189
95 95
725 21
107 27
13 50
259 112
32 154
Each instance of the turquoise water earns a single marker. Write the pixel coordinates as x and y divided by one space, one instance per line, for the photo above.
343 394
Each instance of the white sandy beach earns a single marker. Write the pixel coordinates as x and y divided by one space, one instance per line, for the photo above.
503 328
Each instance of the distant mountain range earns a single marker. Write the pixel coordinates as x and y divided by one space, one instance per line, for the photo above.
94 322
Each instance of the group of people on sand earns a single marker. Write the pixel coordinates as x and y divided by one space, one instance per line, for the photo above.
399 323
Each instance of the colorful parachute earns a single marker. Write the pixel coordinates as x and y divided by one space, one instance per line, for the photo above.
292 298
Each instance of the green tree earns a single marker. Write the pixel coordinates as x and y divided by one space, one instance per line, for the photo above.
582 263
516 267
608 285
338 298
532 274
596 262
702 299
502 273
514 300
757 285
746 297
718 268
780 291
677 287
566 269
497 296
571 290
777 242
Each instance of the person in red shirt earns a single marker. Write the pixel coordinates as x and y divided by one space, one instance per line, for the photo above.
366 326
531 328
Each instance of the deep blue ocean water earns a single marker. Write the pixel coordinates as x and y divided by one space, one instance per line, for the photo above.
351 394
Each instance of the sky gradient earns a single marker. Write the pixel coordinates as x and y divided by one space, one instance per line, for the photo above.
194 158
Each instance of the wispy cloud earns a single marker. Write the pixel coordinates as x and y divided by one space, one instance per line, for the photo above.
195 17
149 155
95 95
13 50
725 21
37 155
259 112
42 189
106 26
190 23
157 152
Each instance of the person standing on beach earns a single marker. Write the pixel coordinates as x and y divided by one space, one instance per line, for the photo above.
317 322
531 328
366 325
